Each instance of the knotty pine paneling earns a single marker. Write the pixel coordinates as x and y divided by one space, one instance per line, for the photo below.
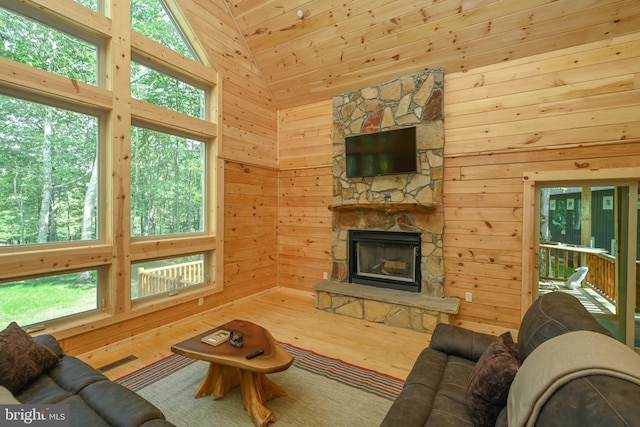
306 188
250 228
249 114
304 233
339 47
571 109
305 136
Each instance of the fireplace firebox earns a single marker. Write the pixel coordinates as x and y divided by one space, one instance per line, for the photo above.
386 259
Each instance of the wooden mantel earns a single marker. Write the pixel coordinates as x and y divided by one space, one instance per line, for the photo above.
390 208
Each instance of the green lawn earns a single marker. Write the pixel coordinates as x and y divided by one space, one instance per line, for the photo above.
30 302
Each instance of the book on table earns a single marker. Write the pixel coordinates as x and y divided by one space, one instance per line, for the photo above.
217 337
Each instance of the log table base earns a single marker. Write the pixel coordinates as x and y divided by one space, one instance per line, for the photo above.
228 368
255 387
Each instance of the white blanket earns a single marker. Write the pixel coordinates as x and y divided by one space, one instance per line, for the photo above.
560 360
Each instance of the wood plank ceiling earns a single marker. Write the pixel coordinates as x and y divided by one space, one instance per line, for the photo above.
339 46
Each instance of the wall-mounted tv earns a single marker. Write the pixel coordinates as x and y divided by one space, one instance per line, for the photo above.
381 153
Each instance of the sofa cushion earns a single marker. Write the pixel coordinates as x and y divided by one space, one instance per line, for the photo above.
21 358
103 396
457 341
450 403
551 315
490 380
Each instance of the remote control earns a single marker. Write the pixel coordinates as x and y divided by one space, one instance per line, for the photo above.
255 354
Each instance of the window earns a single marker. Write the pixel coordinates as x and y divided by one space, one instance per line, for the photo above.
167 184
152 19
106 173
29 42
48 174
32 301
168 92
166 276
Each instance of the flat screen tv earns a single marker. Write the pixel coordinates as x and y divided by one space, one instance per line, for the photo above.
381 153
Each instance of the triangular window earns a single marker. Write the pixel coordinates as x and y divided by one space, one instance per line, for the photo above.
153 19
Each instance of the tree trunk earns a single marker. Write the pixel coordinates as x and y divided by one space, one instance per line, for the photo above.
90 199
47 181
17 195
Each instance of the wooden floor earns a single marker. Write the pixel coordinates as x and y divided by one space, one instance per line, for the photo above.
292 318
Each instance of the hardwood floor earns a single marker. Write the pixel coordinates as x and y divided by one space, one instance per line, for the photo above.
291 317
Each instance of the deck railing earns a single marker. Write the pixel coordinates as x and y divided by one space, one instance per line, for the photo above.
560 261
153 281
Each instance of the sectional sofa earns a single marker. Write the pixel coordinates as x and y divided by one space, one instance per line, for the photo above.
565 370
36 371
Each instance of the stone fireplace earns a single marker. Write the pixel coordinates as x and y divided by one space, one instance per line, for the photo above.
402 203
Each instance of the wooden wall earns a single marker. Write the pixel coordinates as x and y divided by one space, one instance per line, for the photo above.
306 179
250 230
570 109
575 109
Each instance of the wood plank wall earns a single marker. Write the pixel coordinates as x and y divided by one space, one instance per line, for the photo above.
250 230
570 109
575 109
306 180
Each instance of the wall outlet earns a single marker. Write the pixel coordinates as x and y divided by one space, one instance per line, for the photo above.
468 297
325 275
200 300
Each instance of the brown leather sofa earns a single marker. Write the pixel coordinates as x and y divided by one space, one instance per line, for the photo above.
93 399
436 390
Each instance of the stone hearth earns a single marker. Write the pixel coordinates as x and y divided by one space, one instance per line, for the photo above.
394 308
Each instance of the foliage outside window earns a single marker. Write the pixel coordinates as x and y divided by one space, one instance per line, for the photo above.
48 174
165 276
163 90
31 43
167 184
33 301
91 4
152 19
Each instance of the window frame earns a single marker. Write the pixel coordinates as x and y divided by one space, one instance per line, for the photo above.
115 250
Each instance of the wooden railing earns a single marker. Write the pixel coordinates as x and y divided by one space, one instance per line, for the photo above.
602 274
169 278
560 261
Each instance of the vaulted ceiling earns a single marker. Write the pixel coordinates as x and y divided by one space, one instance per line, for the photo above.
337 46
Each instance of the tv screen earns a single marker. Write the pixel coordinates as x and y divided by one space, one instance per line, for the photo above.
381 153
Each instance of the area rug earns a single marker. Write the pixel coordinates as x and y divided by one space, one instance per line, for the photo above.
321 391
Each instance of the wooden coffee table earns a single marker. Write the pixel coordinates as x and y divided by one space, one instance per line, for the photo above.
228 367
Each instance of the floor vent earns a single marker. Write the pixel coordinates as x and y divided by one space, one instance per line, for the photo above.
117 363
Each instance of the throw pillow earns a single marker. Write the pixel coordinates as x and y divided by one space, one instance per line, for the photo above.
21 358
491 379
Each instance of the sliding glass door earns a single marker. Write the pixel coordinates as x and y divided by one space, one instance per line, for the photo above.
586 244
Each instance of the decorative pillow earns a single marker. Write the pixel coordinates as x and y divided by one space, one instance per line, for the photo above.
6 398
21 358
491 379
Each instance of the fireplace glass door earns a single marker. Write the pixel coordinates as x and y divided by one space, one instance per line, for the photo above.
385 259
